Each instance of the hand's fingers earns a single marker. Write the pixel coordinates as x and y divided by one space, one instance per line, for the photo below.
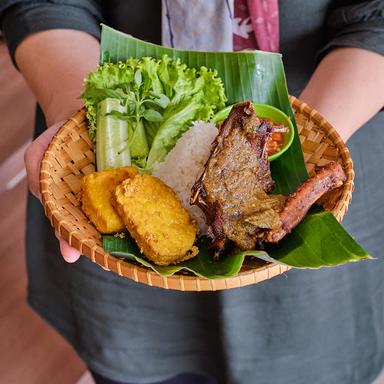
70 254
33 156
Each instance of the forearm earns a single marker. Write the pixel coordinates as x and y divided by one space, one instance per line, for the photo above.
54 64
347 88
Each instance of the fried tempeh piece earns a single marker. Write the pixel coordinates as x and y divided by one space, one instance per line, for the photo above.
156 219
96 192
296 206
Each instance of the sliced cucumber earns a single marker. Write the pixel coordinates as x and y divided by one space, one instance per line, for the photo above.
112 149
138 144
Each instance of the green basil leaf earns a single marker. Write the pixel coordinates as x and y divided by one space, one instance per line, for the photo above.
119 115
159 99
152 115
138 78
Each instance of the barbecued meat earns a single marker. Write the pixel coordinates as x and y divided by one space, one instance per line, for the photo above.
296 206
236 180
234 188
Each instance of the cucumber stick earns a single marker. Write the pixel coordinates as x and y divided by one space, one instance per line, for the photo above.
112 149
138 144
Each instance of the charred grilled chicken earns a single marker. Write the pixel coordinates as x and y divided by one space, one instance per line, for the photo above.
297 204
234 188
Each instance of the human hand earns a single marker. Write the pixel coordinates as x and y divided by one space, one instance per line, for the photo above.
32 157
56 82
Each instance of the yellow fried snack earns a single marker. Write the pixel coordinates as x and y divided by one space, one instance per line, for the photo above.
97 190
156 219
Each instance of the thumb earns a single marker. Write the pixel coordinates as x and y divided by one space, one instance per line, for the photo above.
33 156
70 255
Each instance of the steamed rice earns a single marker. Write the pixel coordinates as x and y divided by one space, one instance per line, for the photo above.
184 164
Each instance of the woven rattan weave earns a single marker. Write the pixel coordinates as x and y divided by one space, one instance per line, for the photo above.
70 155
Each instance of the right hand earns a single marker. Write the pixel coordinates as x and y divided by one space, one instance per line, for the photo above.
49 62
32 157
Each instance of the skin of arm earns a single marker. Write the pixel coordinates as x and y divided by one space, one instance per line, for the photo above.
347 88
54 63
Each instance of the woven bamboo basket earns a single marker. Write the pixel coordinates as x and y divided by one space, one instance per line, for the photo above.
70 155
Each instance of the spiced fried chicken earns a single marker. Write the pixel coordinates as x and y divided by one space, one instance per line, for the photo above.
234 189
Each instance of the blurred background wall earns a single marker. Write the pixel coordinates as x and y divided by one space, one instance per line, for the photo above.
30 351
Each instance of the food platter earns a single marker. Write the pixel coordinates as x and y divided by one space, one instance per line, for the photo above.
70 156
183 204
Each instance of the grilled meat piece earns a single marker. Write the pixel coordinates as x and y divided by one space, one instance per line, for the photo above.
296 206
237 179
234 188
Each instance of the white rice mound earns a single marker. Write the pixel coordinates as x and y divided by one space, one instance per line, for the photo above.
184 164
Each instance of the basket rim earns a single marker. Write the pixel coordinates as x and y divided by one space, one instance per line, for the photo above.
182 282
341 207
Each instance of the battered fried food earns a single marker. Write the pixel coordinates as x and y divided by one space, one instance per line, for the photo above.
156 219
97 190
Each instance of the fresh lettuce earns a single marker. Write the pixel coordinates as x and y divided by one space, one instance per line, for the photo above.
160 98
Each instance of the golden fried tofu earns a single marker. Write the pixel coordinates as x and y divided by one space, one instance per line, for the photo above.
97 190
156 219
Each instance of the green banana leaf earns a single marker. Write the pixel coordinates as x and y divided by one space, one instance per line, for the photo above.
302 249
318 241
202 265
256 76
249 75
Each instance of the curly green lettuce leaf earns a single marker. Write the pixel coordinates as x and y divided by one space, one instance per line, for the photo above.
194 95
162 98
105 83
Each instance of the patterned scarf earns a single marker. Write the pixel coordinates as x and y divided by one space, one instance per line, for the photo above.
221 25
256 25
